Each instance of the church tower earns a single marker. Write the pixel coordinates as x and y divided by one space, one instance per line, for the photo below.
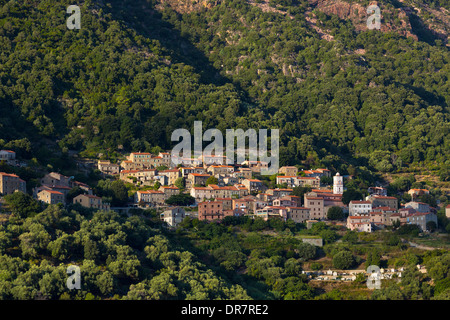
338 184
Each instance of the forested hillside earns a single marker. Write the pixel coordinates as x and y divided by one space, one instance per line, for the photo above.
137 257
139 69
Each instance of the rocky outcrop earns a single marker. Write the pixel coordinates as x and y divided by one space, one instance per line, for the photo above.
186 6
357 13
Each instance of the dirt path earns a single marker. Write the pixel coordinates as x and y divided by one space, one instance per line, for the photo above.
421 246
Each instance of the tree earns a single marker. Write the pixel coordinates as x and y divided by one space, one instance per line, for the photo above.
119 192
373 258
74 192
328 235
349 195
181 200
393 240
63 247
157 185
306 251
35 241
325 180
428 198
316 266
300 191
335 213
211 180
396 224
431 226
21 204
292 267
91 251
343 260
180 183
293 288
105 283
259 224
350 236
409 229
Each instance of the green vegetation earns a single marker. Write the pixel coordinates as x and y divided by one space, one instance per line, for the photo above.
126 81
368 104
181 200
120 257
135 257
335 213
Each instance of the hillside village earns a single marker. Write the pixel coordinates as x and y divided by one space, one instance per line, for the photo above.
216 191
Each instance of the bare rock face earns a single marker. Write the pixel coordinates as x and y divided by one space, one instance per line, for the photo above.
392 19
186 6
357 13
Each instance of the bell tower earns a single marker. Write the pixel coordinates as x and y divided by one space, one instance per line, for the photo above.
338 184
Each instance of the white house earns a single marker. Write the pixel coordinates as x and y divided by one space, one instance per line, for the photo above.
359 207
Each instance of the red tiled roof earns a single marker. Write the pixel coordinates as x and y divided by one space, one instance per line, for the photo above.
307 178
52 192
384 197
419 202
321 191
213 202
419 214
61 187
384 209
151 192
135 171
8 175
90 196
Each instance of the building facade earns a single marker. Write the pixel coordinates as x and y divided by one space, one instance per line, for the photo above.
210 210
91 201
51 197
173 216
359 207
338 184
10 183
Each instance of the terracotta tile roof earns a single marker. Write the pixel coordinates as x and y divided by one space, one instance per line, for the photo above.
384 197
53 192
8 175
151 192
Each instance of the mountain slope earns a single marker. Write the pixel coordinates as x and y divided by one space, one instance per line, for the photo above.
137 70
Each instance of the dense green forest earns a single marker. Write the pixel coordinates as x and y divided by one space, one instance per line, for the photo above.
134 73
137 257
